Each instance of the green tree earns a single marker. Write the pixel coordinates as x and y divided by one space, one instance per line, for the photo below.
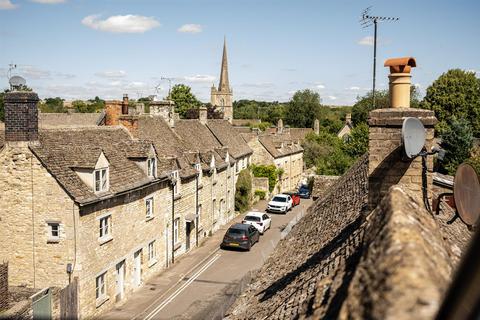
97 104
82 107
455 94
184 99
302 109
243 191
357 143
457 141
52 105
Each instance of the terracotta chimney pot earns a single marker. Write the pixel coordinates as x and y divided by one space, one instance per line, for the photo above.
400 81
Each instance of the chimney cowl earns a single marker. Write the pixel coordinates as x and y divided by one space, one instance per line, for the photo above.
400 65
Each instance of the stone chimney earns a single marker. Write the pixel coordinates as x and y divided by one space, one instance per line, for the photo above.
316 126
348 118
125 104
113 111
21 116
387 166
280 126
400 81
164 109
203 115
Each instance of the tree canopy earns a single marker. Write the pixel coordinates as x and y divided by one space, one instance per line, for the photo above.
212 112
302 109
457 141
52 105
184 99
455 95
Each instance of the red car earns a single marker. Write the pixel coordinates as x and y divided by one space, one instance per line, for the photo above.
295 197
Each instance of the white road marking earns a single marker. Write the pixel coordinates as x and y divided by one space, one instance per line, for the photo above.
183 287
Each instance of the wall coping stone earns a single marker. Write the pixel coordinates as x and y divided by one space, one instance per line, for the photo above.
393 117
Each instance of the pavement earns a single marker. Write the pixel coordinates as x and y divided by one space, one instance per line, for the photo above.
203 283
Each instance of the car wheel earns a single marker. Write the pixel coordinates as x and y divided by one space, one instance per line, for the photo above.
249 246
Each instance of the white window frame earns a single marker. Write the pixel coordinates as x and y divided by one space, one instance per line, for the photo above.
105 227
51 231
152 167
198 167
101 287
149 208
103 180
176 188
176 229
152 251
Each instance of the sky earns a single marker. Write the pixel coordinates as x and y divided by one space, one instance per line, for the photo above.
79 49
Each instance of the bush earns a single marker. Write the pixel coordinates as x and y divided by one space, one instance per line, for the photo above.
457 141
261 194
243 191
269 172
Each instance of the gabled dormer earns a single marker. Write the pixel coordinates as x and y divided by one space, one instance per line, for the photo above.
95 175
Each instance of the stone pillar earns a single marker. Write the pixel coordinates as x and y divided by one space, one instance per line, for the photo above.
387 165
21 116
280 126
348 118
202 115
316 126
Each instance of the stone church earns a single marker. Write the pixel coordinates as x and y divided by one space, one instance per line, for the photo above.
223 96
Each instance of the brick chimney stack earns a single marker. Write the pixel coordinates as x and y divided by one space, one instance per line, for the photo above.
125 104
21 116
203 115
387 165
316 126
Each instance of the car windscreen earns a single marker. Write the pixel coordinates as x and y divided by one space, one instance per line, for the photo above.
303 189
252 218
236 233
279 199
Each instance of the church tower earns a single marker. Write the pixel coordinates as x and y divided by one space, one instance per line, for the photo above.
222 97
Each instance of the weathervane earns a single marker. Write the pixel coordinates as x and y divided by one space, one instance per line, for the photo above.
366 21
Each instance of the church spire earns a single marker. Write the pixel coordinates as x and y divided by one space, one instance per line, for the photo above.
224 85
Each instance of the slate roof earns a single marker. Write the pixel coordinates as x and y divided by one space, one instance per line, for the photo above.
167 144
299 134
279 145
68 120
62 150
229 137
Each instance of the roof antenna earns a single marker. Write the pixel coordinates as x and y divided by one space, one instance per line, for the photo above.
366 21
169 84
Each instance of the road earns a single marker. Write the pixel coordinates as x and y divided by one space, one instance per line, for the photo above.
206 291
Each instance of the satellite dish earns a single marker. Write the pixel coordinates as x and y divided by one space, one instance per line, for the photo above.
413 137
466 192
17 82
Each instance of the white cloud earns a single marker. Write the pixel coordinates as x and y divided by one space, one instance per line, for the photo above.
199 78
258 85
366 41
7 5
331 97
121 24
31 72
320 86
354 88
111 74
190 28
48 1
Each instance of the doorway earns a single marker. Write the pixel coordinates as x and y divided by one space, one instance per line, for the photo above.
137 268
120 281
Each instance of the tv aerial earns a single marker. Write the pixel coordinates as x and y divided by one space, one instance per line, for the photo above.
169 84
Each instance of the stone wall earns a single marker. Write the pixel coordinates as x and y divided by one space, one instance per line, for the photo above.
260 183
387 164
3 285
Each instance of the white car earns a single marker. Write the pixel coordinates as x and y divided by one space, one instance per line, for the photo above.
261 221
280 203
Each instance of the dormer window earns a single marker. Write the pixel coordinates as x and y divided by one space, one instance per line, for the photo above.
152 167
101 179
176 187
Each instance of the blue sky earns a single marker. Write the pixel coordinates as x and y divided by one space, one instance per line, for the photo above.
83 48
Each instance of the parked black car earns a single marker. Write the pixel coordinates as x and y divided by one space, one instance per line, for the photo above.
240 236
304 191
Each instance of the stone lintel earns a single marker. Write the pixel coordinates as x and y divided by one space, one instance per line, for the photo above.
393 117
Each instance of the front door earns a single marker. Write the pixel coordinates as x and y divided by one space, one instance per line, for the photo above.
187 235
120 280
137 268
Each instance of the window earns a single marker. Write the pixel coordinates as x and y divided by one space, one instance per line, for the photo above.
53 231
152 253
198 167
152 167
176 189
101 293
101 180
105 226
149 208
176 224
237 167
